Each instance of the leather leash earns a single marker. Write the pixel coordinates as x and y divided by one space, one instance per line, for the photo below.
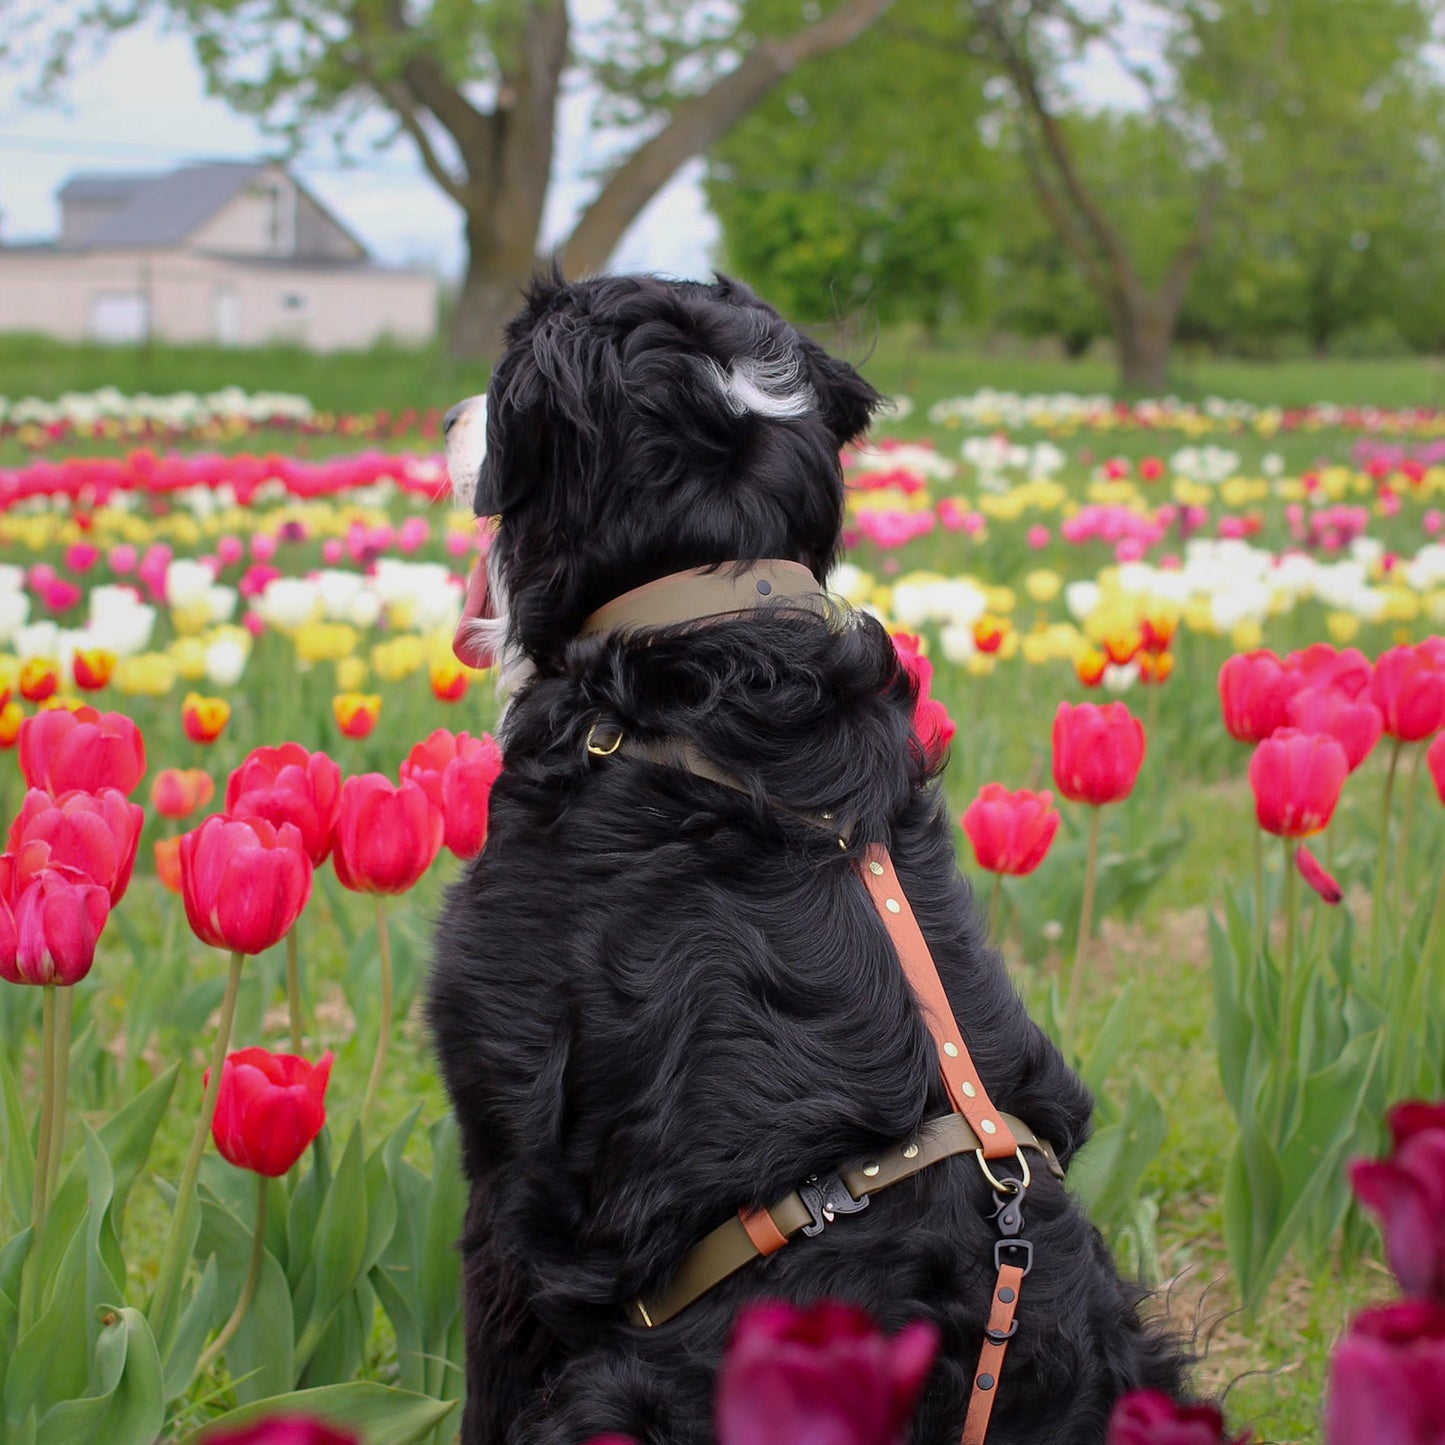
975 1125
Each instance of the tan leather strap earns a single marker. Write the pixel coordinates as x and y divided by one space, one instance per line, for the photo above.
997 1333
703 592
960 1077
737 1242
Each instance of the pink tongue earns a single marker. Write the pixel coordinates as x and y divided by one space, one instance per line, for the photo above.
477 606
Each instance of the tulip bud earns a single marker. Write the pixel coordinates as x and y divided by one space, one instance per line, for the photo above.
49 931
356 713
204 718
386 836
1409 689
244 883
1098 751
1385 1378
93 834
1010 832
1254 693
287 784
269 1109
1147 1417
824 1373
1297 779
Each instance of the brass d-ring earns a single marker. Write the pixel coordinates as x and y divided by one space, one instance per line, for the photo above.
607 748
1005 1186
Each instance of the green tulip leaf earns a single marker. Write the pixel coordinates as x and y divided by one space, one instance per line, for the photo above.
199 1316
439 1281
261 1355
12 1263
18 1177
127 1405
338 1247
128 1135
51 1360
382 1416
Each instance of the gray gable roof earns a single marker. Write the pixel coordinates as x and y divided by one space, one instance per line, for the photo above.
161 210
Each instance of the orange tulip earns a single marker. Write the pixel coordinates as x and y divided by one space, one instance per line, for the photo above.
1156 631
204 718
92 667
448 680
1121 644
1090 665
168 862
11 716
356 712
1155 667
39 677
178 792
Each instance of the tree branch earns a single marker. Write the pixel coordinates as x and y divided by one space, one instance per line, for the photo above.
1187 257
701 120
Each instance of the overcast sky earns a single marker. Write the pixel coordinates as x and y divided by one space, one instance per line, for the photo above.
141 105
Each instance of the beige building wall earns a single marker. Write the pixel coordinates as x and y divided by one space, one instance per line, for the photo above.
190 298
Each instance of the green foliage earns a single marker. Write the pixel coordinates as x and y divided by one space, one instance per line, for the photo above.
865 180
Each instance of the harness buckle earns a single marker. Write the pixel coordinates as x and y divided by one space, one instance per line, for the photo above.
1025 1246
826 1198
1005 1186
603 739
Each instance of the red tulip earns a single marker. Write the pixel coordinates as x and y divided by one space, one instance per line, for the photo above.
92 667
1147 1417
84 749
386 836
244 883
284 1430
1355 725
1098 751
1435 761
95 834
178 792
1297 779
1010 832
204 718
1346 671
1385 1378
1254 693
824 1374
1409 689
909 647
1406 1192
457 772
1313 873
49 925
287 784
931 723
269 1109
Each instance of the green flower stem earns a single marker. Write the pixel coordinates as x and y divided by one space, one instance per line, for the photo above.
1258 892
1086 924
1402 844
39 1196
64 1014
1287 1050
383 1037
993 901
293 989
1377 902
248 1290
29 1278
173 1261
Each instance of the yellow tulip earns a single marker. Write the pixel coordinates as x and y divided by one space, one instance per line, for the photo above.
147 674
1343 627
351 674
1043 584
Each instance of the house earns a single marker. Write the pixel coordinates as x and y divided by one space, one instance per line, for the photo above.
234 253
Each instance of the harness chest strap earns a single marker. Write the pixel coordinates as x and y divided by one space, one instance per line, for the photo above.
758 1233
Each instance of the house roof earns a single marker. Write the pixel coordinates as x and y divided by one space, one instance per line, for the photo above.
161 210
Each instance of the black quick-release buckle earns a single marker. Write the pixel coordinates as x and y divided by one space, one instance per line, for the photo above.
825 1198
1008 1216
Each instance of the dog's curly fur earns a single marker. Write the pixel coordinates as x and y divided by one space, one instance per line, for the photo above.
656 1000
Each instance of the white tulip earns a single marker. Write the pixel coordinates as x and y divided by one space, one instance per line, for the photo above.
226 661
187 583
14 613
288 602
38 639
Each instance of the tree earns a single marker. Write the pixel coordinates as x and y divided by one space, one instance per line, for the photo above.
475 85
864 181
1242 103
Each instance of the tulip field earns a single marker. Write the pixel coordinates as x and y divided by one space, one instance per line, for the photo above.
1188 662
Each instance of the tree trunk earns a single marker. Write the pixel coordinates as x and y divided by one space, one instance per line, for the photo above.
1143 326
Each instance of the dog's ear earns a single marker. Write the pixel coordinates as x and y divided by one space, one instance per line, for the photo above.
846 401
557 381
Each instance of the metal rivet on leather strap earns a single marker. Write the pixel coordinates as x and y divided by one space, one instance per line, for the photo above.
764 588
1006 1296
870 1170
951 1050
988 1126
893 905
968 1090
984 1382
876 869
910 1151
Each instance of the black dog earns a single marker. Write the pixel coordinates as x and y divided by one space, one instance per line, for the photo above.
657 999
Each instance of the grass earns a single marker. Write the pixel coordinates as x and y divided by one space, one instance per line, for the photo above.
897 361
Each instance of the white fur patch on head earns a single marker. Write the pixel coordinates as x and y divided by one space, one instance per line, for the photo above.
466 449
767 385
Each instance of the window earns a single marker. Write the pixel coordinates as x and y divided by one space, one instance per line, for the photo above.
119 317
295 302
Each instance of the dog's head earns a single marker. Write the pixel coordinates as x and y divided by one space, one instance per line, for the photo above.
636 427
